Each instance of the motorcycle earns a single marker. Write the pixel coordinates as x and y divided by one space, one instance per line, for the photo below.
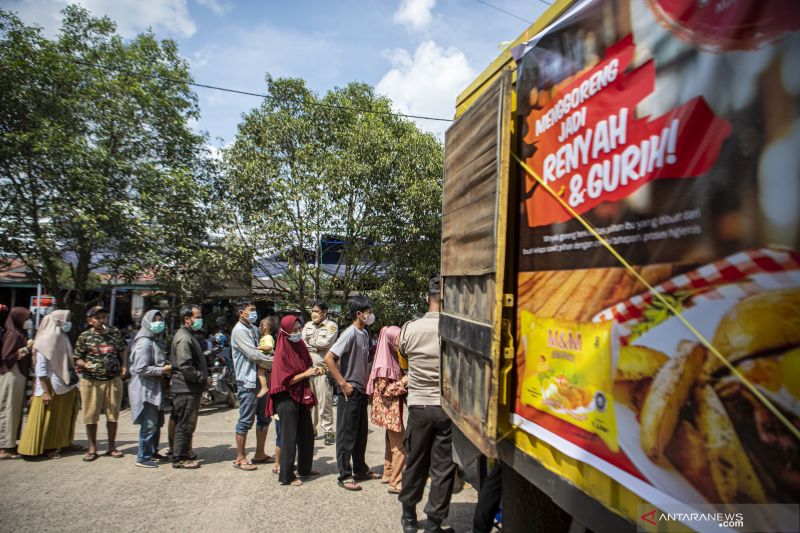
223 379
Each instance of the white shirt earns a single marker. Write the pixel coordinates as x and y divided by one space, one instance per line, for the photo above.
43 370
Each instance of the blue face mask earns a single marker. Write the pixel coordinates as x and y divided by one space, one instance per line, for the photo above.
197 324
66 327
252 317
157 327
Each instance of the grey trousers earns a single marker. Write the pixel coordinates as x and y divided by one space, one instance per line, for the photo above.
322 413
12 398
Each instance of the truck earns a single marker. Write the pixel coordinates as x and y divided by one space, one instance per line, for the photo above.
620 271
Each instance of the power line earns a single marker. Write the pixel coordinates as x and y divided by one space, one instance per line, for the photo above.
501 10
248 93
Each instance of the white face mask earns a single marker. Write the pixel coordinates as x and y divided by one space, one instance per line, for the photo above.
370 319
28 324
295 337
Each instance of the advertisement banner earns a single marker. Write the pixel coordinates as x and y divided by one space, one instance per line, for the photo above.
673 128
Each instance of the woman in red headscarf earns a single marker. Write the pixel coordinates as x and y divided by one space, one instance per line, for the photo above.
290 396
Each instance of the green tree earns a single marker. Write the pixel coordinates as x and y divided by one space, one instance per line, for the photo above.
303 167
98 166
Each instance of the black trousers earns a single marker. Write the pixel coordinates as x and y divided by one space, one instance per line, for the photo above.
297 438
352 429
429 442
185 408
488 501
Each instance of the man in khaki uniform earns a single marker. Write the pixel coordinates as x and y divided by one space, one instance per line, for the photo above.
319 335
429 431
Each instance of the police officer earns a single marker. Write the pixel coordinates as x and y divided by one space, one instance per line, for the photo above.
319 335
429 432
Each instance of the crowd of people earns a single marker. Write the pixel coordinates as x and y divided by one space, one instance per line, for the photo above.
287 372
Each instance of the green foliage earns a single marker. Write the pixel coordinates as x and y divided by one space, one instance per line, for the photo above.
303 167
97 165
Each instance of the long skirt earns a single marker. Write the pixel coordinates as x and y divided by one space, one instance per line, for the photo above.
49 426
12 398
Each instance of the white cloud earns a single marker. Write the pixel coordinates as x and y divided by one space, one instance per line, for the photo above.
414 13
214 5
131 16
426 83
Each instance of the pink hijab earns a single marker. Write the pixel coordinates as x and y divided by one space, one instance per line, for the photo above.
385 364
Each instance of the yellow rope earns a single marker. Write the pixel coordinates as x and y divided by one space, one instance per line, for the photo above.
752 388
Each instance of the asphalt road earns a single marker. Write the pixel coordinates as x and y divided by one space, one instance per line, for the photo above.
112 495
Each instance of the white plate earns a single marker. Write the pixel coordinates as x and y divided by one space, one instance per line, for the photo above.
665 338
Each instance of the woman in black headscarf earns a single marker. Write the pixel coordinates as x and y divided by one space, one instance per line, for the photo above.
15 364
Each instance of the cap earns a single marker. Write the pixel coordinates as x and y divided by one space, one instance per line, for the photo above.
96 309
434 285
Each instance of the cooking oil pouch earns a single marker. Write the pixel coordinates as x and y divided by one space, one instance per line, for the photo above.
568 372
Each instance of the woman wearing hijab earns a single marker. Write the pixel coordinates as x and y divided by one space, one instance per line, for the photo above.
387 385
290 396
146 387
15 365
54 406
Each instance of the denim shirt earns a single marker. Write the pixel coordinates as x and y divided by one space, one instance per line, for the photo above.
244 344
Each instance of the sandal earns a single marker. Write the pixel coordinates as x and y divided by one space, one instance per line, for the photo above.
190 455
116 454
295 483
394 490
276 470
265 461
189 465
349 485
9 455
247 467
367 476
89 457
53 454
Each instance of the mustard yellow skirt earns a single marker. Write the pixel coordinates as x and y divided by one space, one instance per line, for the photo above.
49 426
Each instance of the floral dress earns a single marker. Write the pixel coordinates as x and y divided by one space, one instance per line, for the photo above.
387 406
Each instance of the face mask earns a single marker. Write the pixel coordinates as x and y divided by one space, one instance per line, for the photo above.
370 319
28 324
252 317
197 324
158 327
296 337
66 327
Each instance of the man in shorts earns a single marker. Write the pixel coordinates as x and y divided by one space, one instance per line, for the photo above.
100 353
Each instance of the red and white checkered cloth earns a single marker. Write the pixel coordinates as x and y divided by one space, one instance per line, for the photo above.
736 276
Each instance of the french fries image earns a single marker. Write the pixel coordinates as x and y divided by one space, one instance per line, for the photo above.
638 362
687 451
635 370
671 388
731 470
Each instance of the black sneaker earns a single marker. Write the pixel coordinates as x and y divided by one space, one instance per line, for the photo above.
158 457
330 438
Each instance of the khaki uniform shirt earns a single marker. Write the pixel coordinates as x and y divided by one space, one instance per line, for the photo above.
420 347
319 338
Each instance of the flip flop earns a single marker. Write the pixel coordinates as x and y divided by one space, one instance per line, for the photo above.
53 455
296 483
276 470
116 454
394 490
89 457
191 456
366 477
265 461
349 485
247 467
8 455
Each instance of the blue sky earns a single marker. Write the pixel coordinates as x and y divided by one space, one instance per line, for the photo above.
420 53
